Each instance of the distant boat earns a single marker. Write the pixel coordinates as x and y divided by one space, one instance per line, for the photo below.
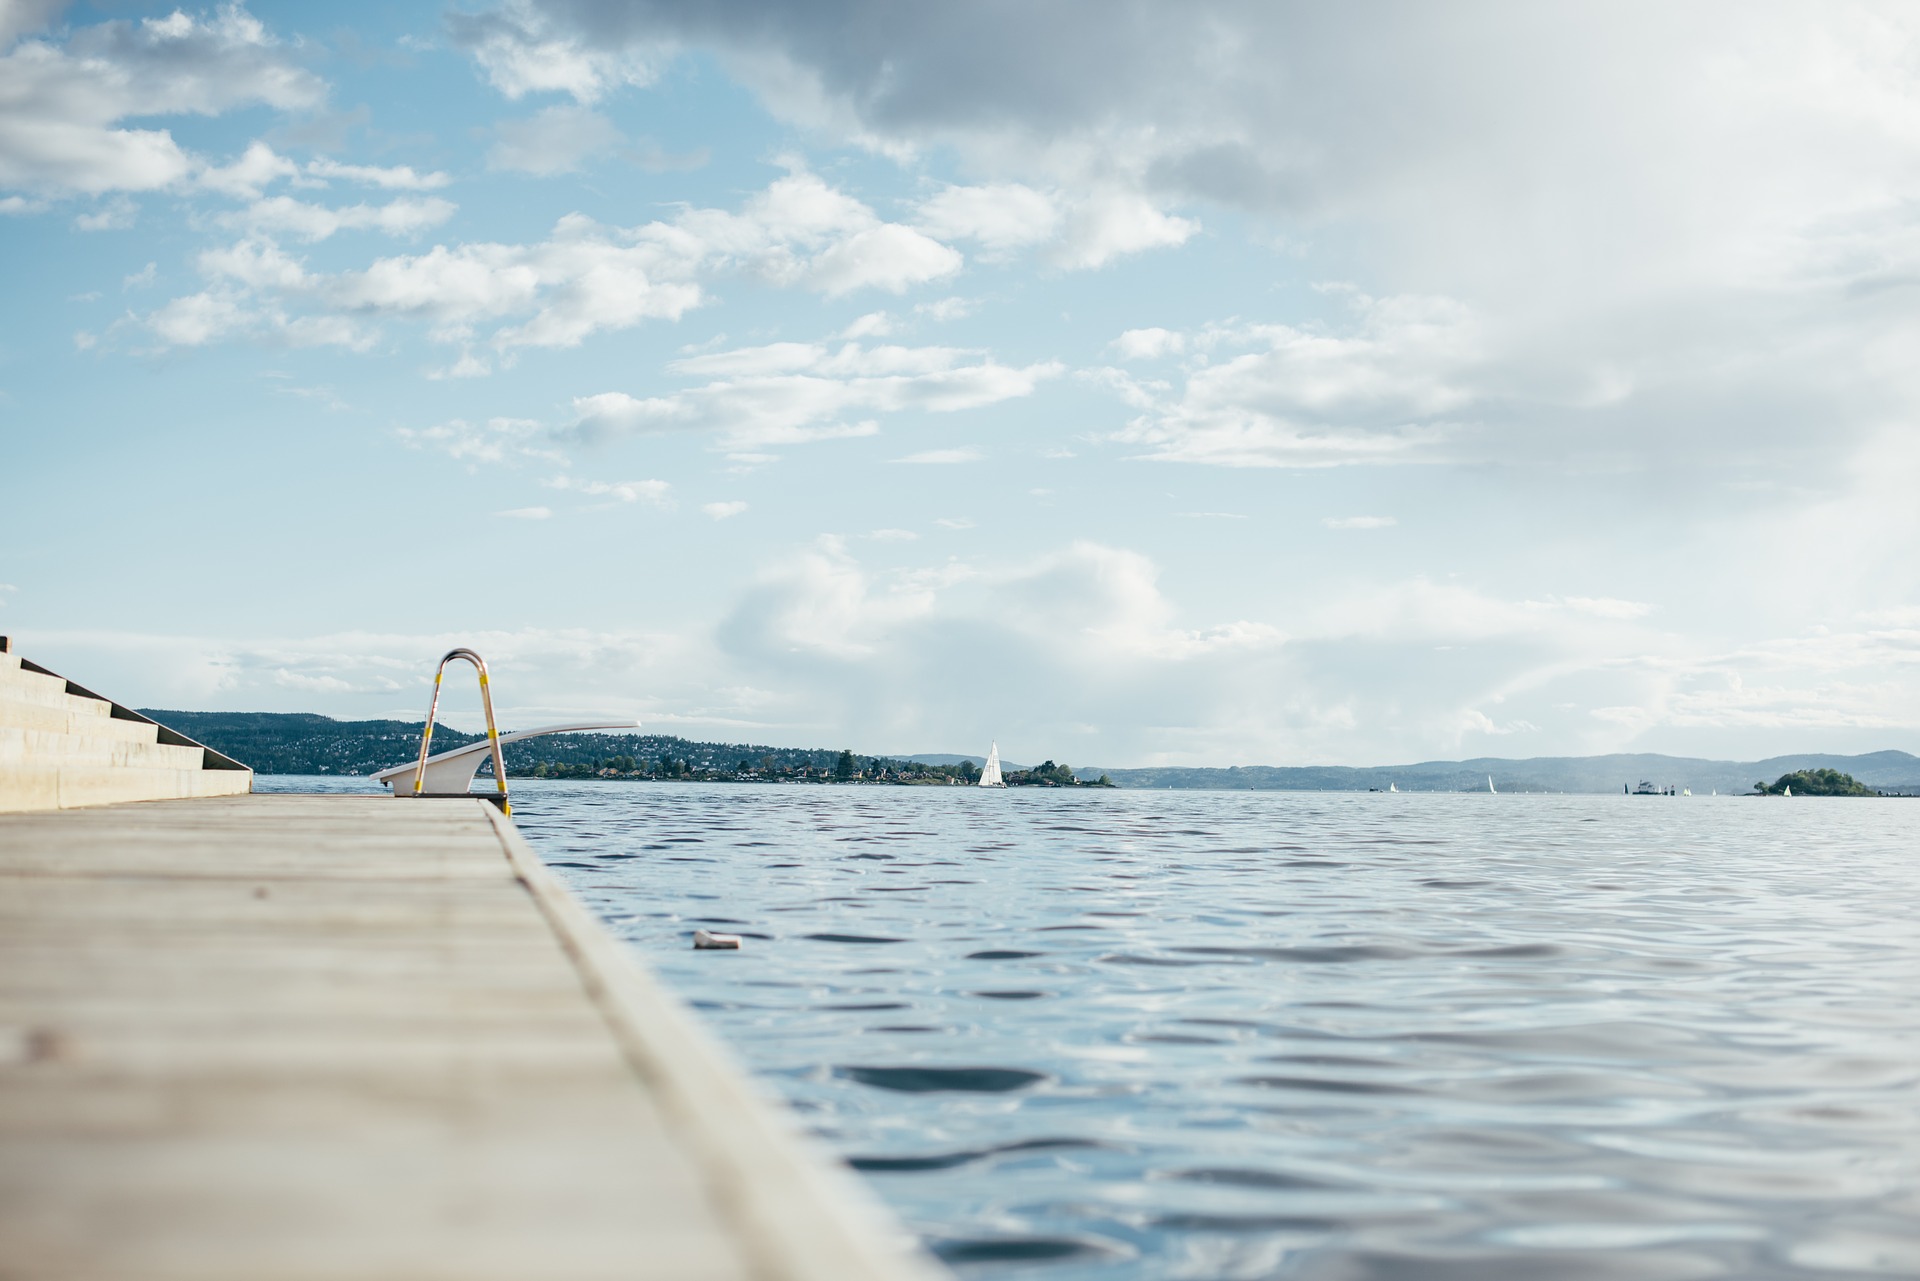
990 774
1788 791
1490 784
1392 788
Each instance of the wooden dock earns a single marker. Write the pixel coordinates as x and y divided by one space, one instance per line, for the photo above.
266 1037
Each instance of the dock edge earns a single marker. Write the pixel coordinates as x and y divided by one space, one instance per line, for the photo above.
800 1216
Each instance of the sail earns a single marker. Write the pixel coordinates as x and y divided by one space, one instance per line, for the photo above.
1489 782
990 775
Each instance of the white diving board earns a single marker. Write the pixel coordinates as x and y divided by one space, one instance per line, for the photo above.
451 773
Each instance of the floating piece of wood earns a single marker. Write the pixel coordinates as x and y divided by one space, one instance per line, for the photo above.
705 940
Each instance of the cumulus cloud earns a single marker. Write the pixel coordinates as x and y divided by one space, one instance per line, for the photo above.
655 493
794 393
721 511
522 51
1000 216
1149 344
583 279
754 398
63 102
1715 247
493 441
1097 661
1385 387
386 177
301 220
245 177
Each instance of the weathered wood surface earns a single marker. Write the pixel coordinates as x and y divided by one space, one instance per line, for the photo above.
273 1037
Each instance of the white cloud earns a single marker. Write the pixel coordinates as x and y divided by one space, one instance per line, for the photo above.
793 393
142 278
493 441
1384 389
115 215
527 513
283 215
1359 522
1103 227
875 324
998 217
1095 662
258 168
893 536
62 104
1149 344
522 52
954 522
388 178
655 493
946 309
583 279
722 511
552 141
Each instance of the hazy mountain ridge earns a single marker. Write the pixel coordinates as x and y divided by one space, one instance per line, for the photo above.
302 743
1887 771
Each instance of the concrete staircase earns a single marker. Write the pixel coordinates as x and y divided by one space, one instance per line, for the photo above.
62 746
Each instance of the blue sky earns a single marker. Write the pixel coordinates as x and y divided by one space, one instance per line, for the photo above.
1133 384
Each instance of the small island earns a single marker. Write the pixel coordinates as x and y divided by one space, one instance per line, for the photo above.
1047 774
1814 782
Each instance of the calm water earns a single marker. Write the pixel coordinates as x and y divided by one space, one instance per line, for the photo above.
1193 1034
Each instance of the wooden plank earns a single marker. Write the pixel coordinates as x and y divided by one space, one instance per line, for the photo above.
303 1037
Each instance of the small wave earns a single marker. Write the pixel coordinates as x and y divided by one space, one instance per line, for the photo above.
927 1080
1245 1223
870 1005
1172 1038
1001 956
1017 1249
1244 1178
966 1156
1517 951
1012 994
1322 1085
1310 955
850 938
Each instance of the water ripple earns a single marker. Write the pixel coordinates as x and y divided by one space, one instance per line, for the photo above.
1106 1036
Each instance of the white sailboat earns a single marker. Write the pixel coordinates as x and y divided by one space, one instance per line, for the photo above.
1392 788
990 773
1490 783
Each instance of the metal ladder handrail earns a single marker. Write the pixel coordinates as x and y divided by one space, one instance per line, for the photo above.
493 733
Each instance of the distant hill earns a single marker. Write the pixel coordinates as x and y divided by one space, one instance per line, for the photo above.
1886 771
298 743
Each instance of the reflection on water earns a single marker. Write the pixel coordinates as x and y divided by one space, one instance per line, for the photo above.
1186 1034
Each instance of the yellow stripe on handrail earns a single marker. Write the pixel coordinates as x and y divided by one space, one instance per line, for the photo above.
493 734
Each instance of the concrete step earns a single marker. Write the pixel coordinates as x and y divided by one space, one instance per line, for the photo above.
49 691
25 787
61 719
51 747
